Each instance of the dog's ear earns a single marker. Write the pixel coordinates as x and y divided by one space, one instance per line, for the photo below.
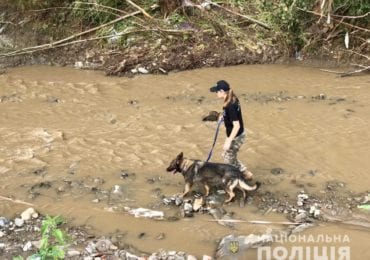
180 156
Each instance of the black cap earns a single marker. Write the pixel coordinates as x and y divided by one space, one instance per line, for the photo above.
221 85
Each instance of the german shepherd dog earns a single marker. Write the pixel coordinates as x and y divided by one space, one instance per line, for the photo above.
209 175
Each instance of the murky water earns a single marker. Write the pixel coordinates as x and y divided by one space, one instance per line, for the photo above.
59 125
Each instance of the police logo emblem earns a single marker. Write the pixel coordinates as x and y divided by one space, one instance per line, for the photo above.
234 247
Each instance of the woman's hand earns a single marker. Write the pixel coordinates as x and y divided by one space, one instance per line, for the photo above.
227 144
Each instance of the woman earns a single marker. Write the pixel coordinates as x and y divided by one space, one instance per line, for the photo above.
233 120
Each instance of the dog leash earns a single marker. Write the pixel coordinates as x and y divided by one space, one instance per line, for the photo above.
214 140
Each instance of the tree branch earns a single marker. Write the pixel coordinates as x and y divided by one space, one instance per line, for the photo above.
241 15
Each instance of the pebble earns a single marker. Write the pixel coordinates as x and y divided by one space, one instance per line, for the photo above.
18 222
27 214
3 221
103 245
2 245
27 246
1 234
143 70
72 253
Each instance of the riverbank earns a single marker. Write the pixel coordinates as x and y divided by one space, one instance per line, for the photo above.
91 148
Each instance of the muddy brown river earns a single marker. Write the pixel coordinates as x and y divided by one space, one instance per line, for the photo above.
62 126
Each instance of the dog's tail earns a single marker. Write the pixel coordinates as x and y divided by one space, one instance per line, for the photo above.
247 187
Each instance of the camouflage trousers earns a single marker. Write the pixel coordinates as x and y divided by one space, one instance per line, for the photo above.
230 155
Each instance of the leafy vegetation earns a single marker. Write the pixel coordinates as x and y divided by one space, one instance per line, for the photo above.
53 240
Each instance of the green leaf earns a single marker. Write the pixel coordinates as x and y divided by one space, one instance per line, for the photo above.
56 252
18 257
58 234
44 242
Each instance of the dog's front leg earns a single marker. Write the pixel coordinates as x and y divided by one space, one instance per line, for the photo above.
187 189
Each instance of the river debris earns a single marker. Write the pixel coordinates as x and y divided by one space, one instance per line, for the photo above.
145 213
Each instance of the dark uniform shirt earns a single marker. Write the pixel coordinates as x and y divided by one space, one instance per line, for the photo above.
233 112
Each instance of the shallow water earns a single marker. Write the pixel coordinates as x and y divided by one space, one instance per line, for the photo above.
61 124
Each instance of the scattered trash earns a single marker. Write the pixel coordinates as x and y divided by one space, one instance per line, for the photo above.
146 213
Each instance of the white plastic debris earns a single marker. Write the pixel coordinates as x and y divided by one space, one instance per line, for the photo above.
146 213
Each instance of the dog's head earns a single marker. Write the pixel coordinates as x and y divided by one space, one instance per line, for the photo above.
175 165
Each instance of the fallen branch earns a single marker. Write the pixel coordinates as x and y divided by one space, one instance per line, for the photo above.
341 22
16 201
70 8
100 38
139 8
346 74
241 15
99 5
355 71
254 221
49 45
351 17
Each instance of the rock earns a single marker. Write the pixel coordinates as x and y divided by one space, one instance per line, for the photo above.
27 214
72 253
103 245
3 221
187 210
1 234
27 246
198 203
79 64
35 215
191 257
2 246
18 222
301 217
178 201
160 236
277 171
302 227
303 196
143 70
317 213
113 247
221 216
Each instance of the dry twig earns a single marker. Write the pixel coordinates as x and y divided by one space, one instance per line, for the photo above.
16 201
139 8
241 15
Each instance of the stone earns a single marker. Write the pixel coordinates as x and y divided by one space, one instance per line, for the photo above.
27 214
277 171
191 257
2 234
72 253
143 70
3 221
79 64
27 246
18 222
103 245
